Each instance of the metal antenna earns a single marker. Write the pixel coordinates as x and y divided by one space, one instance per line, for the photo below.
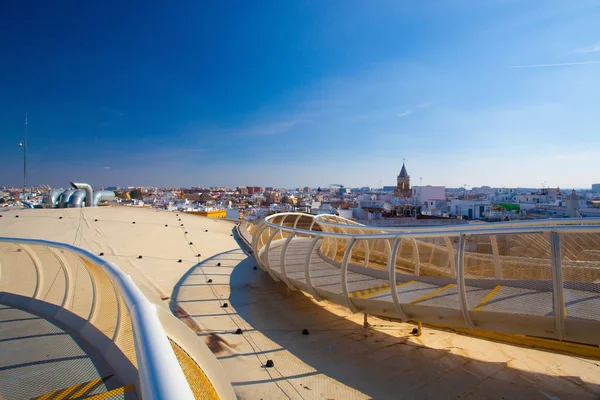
25 159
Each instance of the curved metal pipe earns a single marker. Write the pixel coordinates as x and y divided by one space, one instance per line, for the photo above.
103 195
54 196
64 198
76 199
89 198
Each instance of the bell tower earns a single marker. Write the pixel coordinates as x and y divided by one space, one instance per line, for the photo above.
403 183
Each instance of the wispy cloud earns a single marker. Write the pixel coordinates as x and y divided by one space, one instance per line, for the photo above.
589 49
410 111
107 167
555 65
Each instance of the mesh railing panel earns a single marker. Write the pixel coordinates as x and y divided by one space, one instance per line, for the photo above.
54 282
581 275
17 270
67 280
197 379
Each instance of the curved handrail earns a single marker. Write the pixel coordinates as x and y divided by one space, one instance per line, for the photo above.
592 225
460 267
160 374
542 222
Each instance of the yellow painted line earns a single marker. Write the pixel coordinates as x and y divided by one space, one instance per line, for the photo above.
111 393
488 297
370 292
364 293
430 295
72 392
85 388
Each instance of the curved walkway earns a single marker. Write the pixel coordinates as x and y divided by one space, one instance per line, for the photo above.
341 359
39 358
510 306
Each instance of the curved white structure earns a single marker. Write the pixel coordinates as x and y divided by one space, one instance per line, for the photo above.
538 278
98 301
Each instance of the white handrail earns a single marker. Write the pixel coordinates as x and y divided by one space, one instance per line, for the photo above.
469 230
459 261
537 222
160 374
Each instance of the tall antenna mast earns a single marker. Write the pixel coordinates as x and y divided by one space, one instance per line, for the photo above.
25 159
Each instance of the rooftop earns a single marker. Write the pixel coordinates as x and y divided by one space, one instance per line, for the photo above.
339 359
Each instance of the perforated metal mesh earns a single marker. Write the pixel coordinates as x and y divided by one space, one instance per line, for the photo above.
580 255
22 280
197 379
60 277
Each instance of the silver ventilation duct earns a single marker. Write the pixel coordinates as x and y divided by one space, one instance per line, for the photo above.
64 198
89 198
76 199
53 196
103 195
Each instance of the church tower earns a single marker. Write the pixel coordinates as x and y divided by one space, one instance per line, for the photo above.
403 186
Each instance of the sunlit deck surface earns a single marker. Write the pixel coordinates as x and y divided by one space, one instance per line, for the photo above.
339 359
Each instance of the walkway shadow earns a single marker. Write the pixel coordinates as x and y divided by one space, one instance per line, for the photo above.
380 365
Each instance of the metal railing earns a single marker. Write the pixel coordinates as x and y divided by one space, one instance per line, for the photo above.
547 261
160 374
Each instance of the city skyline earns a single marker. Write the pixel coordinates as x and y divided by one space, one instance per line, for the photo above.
291 95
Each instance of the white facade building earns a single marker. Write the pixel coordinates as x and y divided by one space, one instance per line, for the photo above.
422 194
470 209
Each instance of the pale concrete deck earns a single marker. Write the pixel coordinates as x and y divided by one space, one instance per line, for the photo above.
340 359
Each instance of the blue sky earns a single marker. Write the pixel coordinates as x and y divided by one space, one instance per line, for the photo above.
289 93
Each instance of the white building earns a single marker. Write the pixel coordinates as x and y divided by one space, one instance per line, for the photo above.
470 209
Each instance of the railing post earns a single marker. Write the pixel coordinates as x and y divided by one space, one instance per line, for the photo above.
39 273
255 239
557 286
450 256
366 246
307 277
285 215
367 253
496 254
392 278
335 246
296 221
460 282
415 256
344 268
282 261
267 263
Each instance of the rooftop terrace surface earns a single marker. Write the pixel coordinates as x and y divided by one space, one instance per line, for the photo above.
339 359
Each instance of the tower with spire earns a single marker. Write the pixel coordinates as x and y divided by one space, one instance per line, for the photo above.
403 184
